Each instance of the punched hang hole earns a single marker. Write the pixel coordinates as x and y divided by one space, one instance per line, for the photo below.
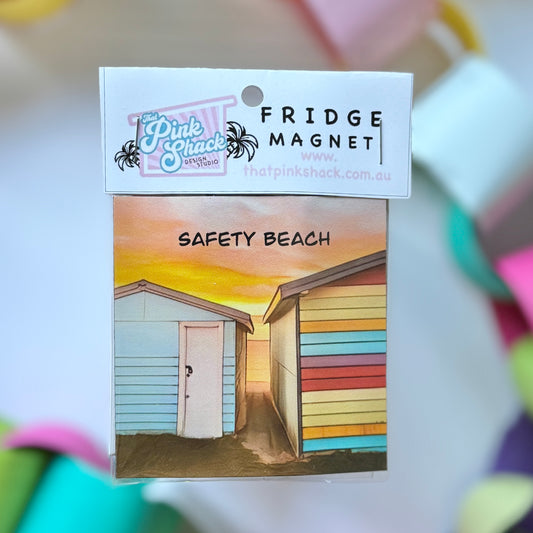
252 96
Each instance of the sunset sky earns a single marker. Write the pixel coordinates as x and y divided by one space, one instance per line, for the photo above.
147 230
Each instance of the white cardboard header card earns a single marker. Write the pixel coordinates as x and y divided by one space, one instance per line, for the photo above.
194 131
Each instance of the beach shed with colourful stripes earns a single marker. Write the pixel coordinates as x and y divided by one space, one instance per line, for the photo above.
180 363
328 357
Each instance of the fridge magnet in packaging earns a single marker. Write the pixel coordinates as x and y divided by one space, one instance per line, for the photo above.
250 268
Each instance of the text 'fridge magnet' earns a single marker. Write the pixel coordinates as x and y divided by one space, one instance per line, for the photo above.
193 131
250 330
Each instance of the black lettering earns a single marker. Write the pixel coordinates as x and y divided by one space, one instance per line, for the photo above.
296 139
265 112
277 140
316 140
198 240
210 236
184 239
323 239
224 239
310 239
283 238
248 237
334 141
354 117
331 116
287 114
297 239
237 234
270 238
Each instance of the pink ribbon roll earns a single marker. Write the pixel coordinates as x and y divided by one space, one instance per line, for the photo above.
364 34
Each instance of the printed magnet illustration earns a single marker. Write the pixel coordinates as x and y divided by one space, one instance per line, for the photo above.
249 336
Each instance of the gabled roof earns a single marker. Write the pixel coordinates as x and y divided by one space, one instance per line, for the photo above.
145 286
288 292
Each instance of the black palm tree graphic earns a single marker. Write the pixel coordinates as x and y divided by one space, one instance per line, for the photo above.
240 142
129 155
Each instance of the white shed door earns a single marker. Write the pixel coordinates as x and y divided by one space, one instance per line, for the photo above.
200 379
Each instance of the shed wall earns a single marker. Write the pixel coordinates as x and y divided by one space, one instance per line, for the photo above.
284 372
153 308
228 383
146 377
147 363
343 373
240 378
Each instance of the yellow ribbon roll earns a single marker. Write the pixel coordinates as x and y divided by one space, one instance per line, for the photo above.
28 10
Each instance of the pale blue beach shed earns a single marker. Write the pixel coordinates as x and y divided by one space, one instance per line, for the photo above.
180 363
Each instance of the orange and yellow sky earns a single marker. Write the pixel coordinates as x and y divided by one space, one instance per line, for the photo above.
246 278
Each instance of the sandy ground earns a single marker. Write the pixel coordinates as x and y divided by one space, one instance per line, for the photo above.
260 449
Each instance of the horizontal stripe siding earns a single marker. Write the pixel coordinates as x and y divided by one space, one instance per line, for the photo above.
343 314
344 395
146 361
322 432
343 346
345 443
343 383
228 418
136 418
348 348
351 290
140 338
165 408
151 399
228 349
145 426
343 360
229 380
344 325
380 449
356 406
146 371
229 405
145 389
229 370
228 408
345 302
343 372
342 336
344 419
147 380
